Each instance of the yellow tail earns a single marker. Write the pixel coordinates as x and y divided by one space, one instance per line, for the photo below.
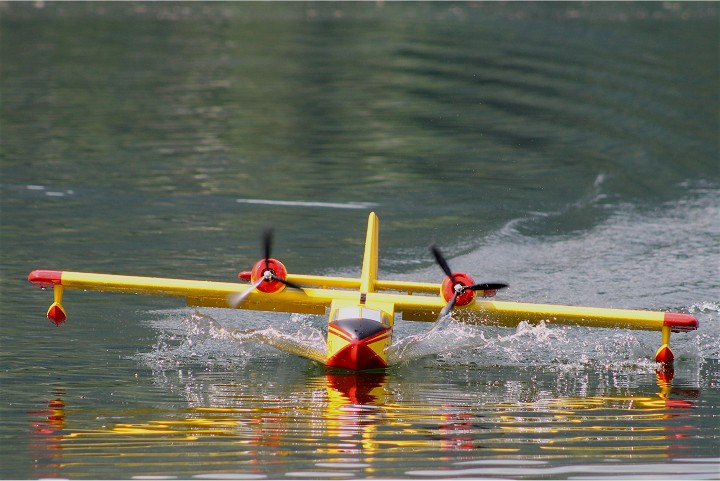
369 275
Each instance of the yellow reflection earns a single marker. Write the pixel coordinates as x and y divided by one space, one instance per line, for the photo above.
351 418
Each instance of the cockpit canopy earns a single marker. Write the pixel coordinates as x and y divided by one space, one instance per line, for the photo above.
360 322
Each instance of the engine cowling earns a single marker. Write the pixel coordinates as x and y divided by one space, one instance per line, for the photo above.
258 272
447 289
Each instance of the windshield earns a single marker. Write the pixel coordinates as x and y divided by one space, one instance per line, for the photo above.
360 322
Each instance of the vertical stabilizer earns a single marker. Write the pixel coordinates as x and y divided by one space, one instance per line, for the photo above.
369 274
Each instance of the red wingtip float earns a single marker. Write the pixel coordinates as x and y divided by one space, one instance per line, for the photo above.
56 312
361 311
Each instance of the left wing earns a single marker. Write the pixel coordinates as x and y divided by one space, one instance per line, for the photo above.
196 293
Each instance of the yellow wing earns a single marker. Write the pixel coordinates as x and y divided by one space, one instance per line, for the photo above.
510 314
417 301
196 293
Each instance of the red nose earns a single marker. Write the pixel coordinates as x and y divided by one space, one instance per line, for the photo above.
356 356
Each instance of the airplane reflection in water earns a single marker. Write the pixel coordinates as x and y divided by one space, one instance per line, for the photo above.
356 420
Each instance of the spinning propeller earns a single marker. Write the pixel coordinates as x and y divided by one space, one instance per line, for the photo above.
459 288
267 275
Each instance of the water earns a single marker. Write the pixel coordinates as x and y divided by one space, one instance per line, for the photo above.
568 149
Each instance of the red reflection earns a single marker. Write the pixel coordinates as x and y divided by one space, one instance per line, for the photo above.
358 387
458 430
46 437
664 376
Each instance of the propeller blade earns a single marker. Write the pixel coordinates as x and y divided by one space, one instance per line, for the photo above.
236 298
267 239
448 307
488 286
440 259
291 285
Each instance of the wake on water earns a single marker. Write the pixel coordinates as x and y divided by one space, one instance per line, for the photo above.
667 261
204 340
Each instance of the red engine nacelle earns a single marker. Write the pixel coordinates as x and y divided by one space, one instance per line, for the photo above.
258 272
448 288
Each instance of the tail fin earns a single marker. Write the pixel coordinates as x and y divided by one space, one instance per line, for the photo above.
369 274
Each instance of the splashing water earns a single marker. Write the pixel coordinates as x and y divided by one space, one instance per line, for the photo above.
445 335
203 339
307 342
567 348
706 341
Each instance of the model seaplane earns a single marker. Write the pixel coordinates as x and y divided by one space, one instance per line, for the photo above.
361 311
